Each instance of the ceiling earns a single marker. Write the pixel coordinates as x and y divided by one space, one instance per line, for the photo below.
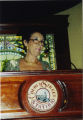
15 11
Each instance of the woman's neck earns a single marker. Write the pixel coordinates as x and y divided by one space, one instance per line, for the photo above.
31 59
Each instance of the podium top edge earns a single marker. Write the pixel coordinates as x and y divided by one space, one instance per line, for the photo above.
43 72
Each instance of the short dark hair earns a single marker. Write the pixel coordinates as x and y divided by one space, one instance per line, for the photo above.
26 34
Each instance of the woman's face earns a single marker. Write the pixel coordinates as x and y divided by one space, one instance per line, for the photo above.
35 44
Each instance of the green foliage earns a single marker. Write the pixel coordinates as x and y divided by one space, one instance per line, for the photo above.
4 65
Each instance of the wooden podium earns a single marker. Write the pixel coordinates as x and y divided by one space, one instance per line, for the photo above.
41 94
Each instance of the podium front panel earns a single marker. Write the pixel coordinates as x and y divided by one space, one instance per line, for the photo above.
41 94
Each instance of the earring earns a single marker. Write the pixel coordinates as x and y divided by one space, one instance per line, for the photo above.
27 48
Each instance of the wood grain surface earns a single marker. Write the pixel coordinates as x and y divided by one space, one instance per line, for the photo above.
12 82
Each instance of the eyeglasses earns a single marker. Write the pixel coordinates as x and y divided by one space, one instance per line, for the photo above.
36 41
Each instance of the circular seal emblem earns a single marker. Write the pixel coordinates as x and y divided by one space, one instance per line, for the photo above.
42 96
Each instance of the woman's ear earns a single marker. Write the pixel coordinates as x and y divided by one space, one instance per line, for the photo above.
25 43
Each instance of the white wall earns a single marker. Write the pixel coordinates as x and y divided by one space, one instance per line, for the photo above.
75 34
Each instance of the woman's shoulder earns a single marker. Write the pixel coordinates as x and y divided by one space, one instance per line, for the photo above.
46 65
21 60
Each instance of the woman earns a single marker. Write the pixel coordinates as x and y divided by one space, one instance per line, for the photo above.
33 45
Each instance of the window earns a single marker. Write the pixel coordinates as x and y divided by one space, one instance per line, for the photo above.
11 48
